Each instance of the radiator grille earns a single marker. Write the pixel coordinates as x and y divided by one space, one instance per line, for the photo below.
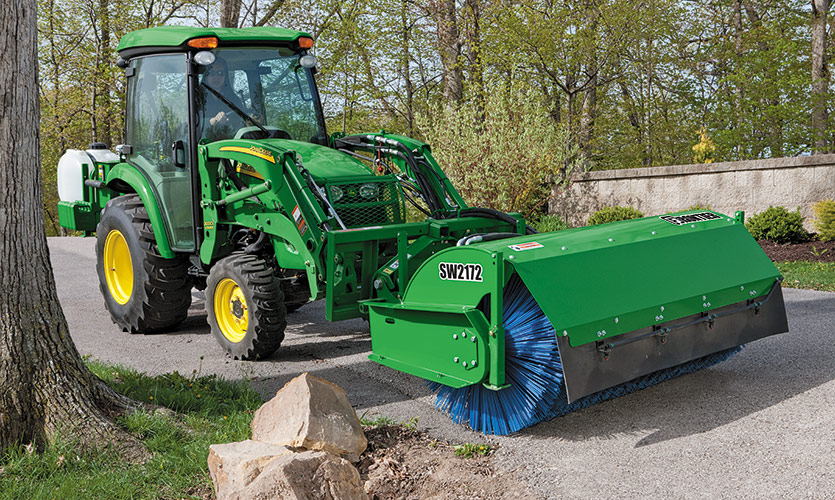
372 202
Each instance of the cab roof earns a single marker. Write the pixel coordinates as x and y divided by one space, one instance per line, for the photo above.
166 38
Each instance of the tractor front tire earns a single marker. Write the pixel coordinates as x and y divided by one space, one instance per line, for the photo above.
143 291
245 306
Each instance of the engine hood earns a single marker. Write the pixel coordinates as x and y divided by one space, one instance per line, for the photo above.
323 162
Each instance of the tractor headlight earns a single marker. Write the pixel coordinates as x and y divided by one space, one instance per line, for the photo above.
369 191
336 193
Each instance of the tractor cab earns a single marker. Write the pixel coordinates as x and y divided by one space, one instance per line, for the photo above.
187 87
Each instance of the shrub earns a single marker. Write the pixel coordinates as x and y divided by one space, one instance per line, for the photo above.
613 214
550 222
505 156
778 225
825 219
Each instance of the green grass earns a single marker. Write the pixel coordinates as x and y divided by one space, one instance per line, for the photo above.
809 275
210 410
469 450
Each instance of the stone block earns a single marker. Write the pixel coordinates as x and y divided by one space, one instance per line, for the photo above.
233 466
310 475
313 414
250 470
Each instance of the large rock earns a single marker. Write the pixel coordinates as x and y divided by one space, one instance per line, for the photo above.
311 413
233 466
251 470
310 475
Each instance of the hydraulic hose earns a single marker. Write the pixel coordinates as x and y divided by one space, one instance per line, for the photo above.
494 214
479 237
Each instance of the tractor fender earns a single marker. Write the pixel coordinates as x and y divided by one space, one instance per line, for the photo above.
131 176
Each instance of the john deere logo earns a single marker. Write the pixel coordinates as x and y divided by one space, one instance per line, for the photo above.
252 150
261 151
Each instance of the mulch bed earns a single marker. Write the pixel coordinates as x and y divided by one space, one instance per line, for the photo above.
782 252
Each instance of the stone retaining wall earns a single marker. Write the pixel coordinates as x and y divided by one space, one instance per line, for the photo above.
751 186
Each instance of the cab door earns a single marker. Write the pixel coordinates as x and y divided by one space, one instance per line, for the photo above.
156 128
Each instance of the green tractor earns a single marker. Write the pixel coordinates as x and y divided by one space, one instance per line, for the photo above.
229 182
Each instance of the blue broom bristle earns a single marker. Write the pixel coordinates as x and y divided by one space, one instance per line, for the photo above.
534 372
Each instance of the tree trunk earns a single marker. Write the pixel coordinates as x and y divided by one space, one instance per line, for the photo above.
102 102
474 62
230 13
738 96
589 111
820 76
449 46
405 64
44 386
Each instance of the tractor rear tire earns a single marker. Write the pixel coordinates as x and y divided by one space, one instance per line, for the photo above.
143 291
245 306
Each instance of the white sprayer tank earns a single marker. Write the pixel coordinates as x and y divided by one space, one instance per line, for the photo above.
70 178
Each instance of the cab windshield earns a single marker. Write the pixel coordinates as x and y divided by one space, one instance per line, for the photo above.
247 90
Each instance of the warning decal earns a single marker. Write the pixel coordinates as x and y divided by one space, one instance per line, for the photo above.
300 223
525 246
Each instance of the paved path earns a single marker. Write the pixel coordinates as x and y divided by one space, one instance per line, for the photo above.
761 425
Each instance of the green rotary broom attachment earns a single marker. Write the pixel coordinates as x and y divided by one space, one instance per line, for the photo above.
517 331
534 371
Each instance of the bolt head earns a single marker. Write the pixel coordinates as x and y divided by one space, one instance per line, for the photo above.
465 364
455 359
454 336
565 333
472 339
617 320
662 308
564 248
472 362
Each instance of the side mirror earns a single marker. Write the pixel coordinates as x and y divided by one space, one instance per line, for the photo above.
178 154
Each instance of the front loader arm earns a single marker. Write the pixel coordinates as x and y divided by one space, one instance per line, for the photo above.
270 195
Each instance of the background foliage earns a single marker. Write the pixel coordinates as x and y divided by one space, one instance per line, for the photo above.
508 92
778 225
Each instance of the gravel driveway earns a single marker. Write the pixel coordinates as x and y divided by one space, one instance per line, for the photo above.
761 425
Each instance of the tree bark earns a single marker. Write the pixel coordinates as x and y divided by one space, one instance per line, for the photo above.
101 99
230 13
406 65
474 62
449 46
820 76
45 388
589 111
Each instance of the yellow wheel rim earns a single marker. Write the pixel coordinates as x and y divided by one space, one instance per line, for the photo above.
230 310
118 267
